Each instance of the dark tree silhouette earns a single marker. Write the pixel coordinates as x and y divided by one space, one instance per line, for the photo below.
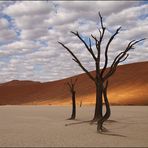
81 103
101 77
71 86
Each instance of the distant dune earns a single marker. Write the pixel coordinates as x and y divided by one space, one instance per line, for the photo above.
128 86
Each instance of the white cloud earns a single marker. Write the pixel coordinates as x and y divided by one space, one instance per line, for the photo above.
128 16
3 24
31 17
6 34
4 4
18 47
28 8
36 55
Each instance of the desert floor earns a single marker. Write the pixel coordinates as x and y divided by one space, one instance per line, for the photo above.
45 126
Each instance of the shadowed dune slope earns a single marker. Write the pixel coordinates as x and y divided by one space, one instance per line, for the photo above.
128 86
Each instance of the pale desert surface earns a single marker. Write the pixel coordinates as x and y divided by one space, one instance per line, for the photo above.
22 126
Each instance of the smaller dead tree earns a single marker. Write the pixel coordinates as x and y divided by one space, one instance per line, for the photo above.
71 86
81 103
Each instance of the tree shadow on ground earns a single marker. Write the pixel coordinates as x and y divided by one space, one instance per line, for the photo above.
112 134
75 123
107 132
111 121
88 121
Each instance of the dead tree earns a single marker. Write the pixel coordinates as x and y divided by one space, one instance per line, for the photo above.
81 103
71 86
101 77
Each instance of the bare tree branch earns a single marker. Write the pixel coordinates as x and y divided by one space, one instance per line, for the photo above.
82 67
96 41
87 47
99 32
120 58
132 43
124 58
101 37
101 20
75 81
69 85
77 61
106 50
103 28
138 41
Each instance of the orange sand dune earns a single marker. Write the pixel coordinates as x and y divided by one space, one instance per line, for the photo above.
129 85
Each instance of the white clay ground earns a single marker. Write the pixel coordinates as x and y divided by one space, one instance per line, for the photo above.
22 126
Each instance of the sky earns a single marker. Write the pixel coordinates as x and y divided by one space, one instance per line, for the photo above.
30 31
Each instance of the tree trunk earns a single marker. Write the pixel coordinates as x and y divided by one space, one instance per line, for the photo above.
81 103
98 106
73 106
107 114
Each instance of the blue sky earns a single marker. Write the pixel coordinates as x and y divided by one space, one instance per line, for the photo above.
30 31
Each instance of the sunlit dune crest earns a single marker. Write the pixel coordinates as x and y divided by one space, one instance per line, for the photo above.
128 86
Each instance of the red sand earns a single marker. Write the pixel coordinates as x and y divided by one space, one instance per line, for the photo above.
128 86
